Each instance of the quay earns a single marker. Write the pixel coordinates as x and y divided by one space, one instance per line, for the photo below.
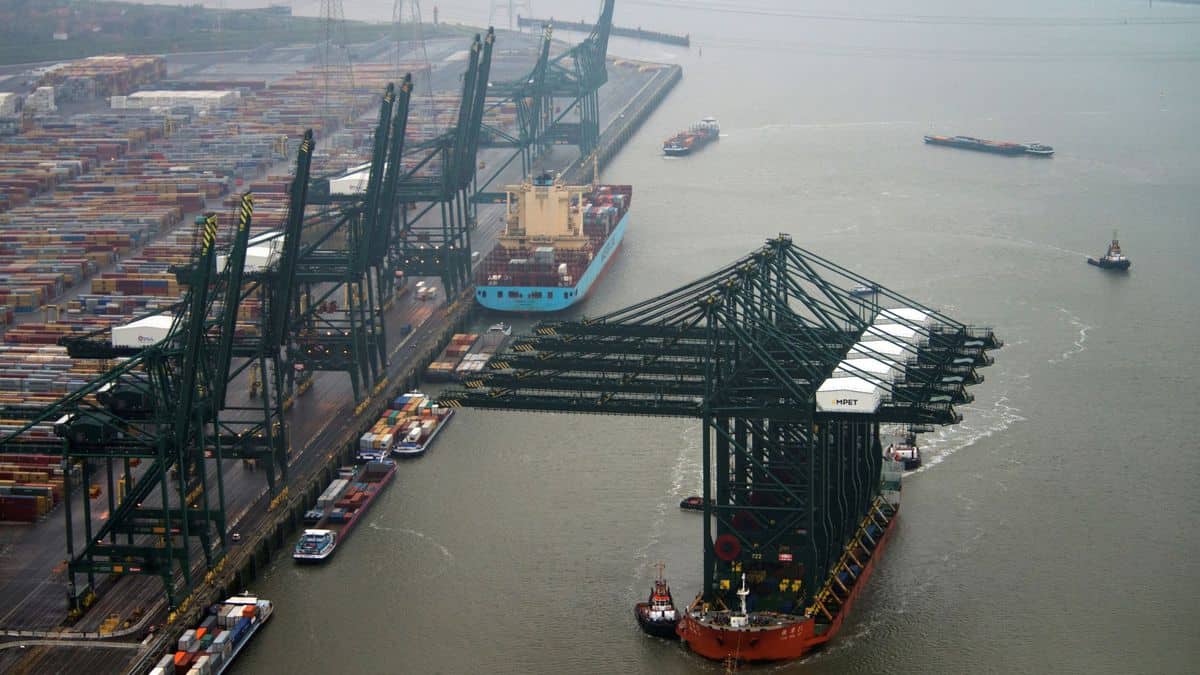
128 625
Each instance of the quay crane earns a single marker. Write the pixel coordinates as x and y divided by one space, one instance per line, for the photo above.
439 173
346 256
762 351
166 407
158 404
576 75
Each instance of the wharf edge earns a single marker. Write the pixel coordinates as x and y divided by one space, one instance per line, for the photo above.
286 516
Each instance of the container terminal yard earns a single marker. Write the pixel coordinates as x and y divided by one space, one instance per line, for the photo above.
96 228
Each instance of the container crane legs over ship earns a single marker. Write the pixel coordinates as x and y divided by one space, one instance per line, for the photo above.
780 361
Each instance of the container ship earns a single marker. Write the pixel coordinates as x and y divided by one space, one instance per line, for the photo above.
693 138
777 634
339 507
557 241
407 429
212 646
997 147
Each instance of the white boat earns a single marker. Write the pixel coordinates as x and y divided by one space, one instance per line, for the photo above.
315 545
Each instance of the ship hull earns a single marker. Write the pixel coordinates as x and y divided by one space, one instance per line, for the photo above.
343 530
411 450
543 299
662 629
1119 265
791 640
1011 149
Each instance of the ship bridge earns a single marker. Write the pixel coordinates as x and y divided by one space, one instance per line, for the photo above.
791 370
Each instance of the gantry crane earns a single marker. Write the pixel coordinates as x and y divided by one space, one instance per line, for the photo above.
758 350
575 75
134 411
535 106
255 430
440 174
341 270
158 404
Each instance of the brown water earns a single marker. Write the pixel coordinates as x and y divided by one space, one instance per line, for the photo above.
1051 531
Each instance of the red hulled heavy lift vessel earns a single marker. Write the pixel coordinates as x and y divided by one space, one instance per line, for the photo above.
791 375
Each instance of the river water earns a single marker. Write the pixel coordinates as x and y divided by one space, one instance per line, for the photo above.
1050 532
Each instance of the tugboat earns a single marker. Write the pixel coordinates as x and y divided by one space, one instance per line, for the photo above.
904 450
864 291
1113 259
657 616
693 503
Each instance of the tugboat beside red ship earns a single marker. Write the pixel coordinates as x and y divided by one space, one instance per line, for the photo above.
746 635
657 615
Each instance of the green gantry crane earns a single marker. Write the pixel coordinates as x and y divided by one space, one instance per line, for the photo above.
439 173
159 404
343 271
575 75
788 472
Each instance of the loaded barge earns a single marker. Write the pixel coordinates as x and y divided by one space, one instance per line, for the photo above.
339 507
212 645
695 137
995 147
407 429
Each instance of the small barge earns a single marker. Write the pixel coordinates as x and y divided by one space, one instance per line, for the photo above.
217 640
340 507
995 147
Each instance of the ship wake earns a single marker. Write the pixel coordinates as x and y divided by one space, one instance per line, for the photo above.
1079 346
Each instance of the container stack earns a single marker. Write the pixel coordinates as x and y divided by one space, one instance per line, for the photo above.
444 366
82 194
106 75
209 647
30 486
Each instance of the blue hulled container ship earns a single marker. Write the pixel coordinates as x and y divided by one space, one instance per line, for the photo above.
557 241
